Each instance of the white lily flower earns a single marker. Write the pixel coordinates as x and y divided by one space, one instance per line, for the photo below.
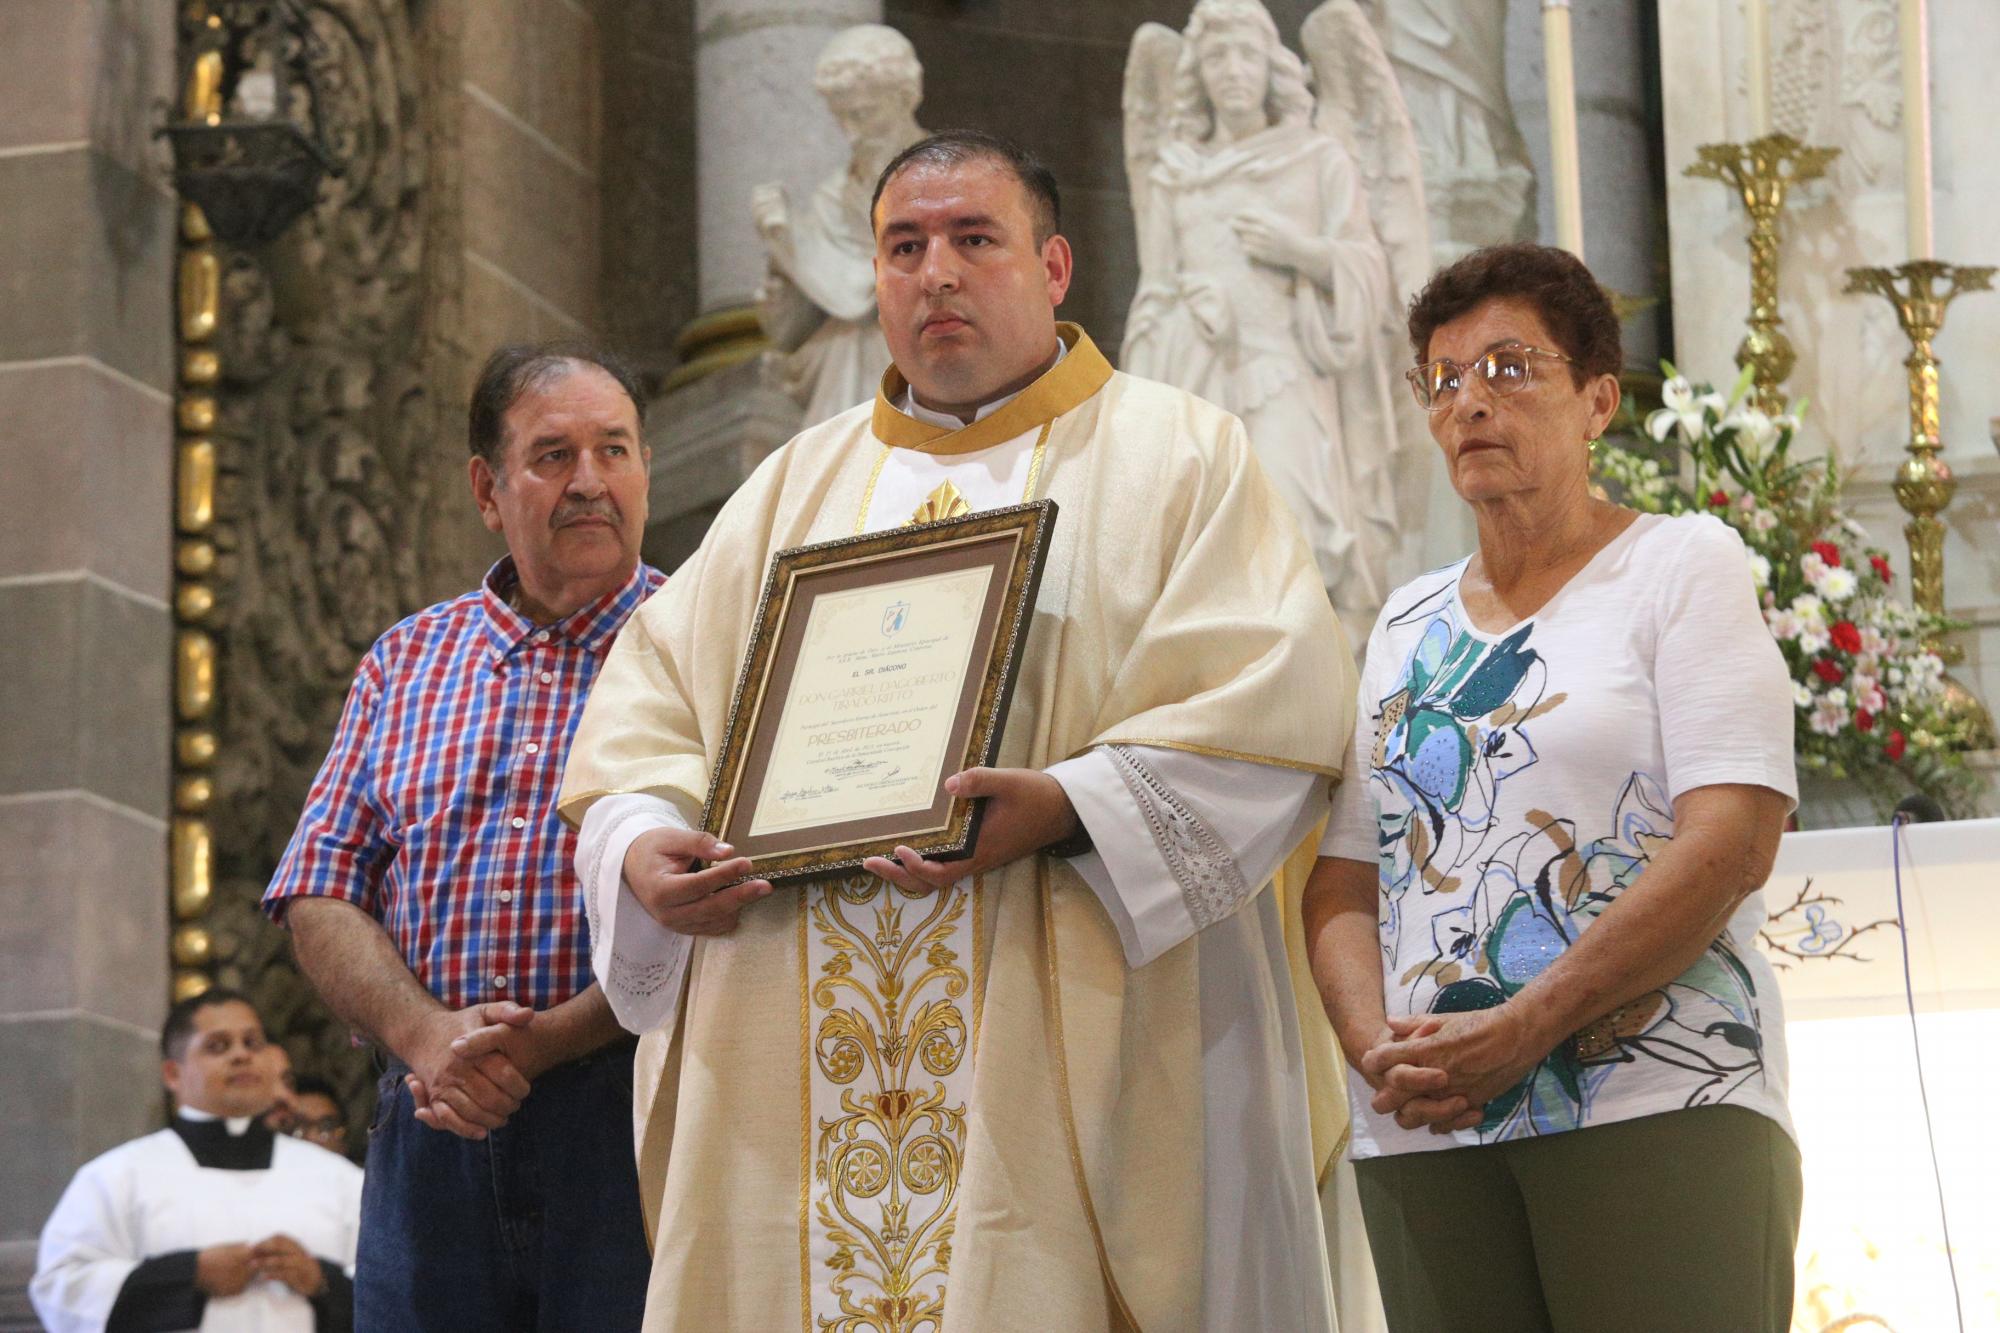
1755 432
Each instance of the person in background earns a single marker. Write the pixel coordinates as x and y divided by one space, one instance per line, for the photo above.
284 1090
316 1115
212 1222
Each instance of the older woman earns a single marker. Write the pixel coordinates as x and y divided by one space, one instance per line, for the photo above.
1533 913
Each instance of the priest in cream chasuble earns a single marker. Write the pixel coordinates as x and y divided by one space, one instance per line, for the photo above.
1081 1088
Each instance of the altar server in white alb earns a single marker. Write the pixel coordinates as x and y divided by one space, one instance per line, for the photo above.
214 1222
1064 1085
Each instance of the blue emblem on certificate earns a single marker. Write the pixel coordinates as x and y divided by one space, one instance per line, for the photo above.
894 617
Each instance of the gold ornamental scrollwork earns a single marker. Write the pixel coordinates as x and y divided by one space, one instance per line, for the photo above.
889 1030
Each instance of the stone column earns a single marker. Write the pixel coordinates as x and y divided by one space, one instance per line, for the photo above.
757 119
86 439
1621 200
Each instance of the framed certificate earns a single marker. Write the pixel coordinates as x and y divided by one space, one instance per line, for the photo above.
878 667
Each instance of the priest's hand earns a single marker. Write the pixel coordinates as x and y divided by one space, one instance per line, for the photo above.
658 870
465 1094
284 1260
1482 1053
1026 810
224 1270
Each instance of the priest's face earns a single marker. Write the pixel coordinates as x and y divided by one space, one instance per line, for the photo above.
569 493
223 1069
967 295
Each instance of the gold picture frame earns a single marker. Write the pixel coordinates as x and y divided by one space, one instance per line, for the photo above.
839 739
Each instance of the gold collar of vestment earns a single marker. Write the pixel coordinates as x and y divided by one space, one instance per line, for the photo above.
1081 373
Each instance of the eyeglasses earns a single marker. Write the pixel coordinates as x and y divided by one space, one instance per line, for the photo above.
1505 369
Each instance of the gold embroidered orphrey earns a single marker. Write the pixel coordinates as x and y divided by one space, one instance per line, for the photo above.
886 1019
891 1035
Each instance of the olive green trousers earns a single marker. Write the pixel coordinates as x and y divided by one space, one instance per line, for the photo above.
1682 1222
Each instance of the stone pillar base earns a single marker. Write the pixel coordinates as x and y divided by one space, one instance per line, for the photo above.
707 436
17 1267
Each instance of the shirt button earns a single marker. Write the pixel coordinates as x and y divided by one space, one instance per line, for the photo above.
499 983
542 637
520 822
506 895
534 748
548 678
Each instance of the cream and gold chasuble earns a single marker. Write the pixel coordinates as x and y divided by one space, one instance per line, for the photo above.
882 1112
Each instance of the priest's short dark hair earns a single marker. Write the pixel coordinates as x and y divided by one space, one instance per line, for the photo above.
948 148
179 1027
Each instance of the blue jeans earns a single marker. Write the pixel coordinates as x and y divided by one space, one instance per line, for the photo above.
535 1228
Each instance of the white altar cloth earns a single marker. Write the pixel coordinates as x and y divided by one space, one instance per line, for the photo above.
1871 1242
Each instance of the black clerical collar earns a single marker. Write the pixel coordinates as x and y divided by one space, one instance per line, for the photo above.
215 1147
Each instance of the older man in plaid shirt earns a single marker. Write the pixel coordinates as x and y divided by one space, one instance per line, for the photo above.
431 897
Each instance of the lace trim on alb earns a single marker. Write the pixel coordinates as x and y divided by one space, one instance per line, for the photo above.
1211 884
629 976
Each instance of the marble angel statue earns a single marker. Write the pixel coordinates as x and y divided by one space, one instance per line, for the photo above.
817 304
1281 232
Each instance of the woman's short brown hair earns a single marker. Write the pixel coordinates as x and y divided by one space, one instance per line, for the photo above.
1569 302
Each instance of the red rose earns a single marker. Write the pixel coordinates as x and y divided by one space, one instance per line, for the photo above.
1845 637
1895 745
1828 552
1882 570
1719 500
1864 720
1829 671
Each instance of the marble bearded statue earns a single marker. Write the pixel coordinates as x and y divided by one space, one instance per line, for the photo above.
817 303
1279 236
1064 1094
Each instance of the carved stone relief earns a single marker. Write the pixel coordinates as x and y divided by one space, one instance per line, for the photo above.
326 419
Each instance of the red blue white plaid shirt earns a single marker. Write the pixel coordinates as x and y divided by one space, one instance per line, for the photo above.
435 810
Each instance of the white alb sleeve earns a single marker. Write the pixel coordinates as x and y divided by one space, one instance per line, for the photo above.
1182 840
640 963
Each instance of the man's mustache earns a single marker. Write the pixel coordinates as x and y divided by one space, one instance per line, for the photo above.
573 511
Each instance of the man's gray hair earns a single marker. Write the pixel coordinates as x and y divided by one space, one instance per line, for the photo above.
520 368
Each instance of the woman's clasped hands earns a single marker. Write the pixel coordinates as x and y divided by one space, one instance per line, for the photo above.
1440 1070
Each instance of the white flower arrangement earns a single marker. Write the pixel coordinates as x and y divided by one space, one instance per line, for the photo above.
1867 691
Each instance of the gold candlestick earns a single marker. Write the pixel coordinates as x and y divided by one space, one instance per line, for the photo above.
1920 291
1762 172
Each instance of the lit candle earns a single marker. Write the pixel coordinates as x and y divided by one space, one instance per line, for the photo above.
1757 64
1565 161
1917 129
